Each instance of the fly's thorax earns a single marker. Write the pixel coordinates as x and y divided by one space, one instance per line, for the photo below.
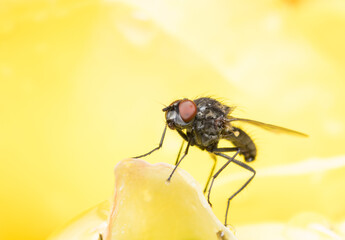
208 125
206 131
211 117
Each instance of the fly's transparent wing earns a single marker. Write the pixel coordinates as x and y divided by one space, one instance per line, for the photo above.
270 127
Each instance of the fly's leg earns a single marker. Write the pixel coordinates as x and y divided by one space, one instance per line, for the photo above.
159 146
230 159
179 153
241 164
212 171
100 237
178 163
227 149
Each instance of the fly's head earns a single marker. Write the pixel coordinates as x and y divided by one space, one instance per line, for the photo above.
180 114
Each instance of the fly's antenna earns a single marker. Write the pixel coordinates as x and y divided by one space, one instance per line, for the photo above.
160 103
167 108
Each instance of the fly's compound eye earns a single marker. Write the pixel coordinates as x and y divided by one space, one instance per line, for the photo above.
187 110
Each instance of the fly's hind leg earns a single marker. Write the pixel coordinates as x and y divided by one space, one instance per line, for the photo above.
230 159
241 164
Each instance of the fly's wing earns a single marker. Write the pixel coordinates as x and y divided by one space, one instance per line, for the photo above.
270 127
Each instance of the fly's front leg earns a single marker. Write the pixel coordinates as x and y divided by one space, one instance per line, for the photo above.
159 146
178 163
179 153
184 136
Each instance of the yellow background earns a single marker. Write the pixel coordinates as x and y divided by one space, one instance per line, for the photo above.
82 85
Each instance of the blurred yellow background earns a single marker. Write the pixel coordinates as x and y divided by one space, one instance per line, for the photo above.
82 85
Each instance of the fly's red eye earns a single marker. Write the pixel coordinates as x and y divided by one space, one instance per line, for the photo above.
187 110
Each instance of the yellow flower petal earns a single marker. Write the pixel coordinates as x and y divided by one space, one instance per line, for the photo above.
146 206
308 225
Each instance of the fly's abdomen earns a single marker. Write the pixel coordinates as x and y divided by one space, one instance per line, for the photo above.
242 140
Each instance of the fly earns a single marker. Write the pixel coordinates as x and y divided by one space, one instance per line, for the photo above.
203 122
